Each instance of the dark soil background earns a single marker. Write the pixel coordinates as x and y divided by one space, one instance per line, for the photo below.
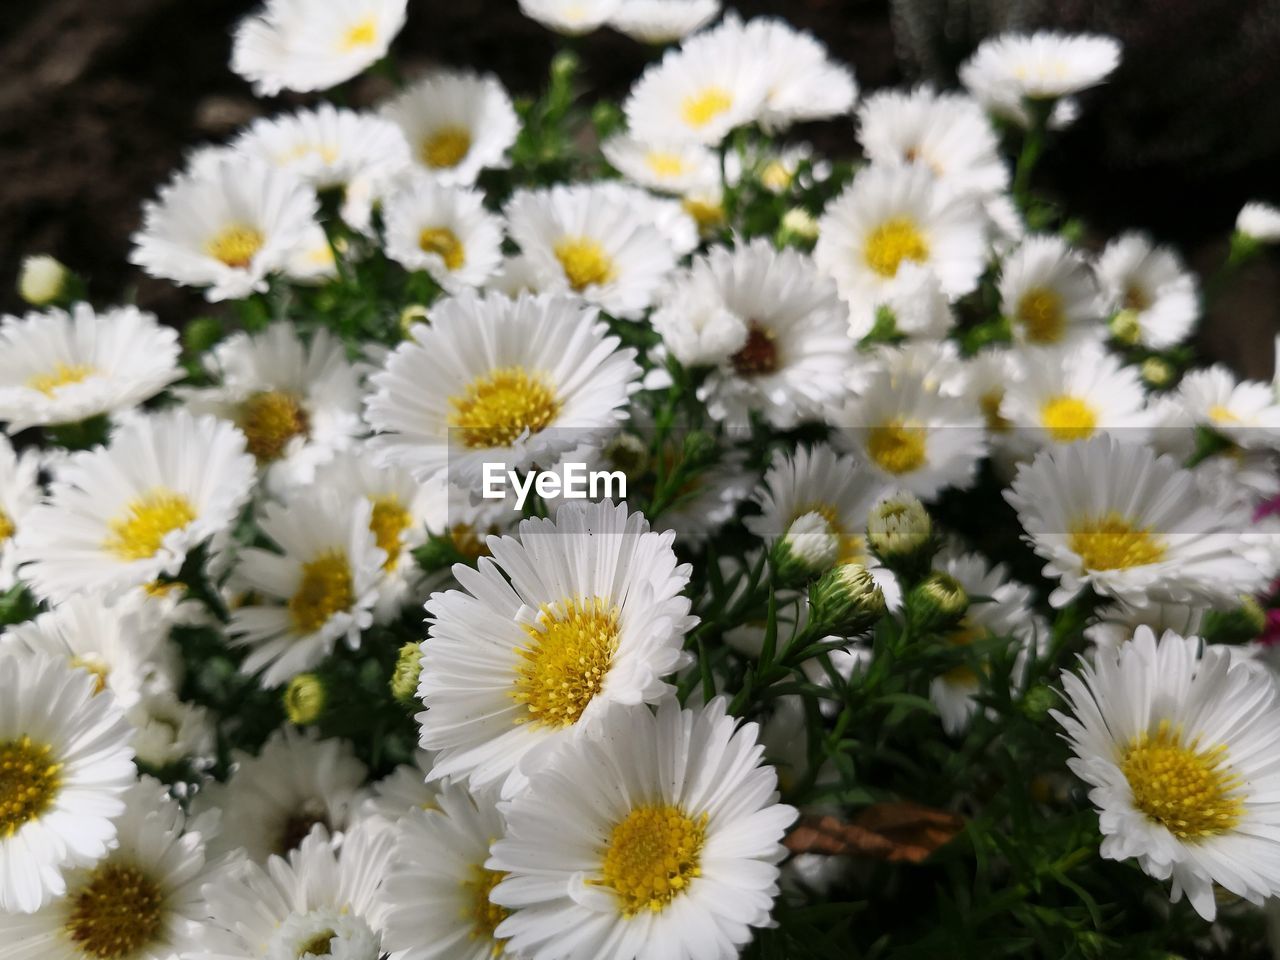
99 101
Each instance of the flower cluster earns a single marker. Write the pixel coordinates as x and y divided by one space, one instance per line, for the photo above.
924 516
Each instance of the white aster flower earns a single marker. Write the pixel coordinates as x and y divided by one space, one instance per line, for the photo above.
313 261
893 216
437 891
1154 299
457 124
1133 526
66 763
141 902
771 327
445 231
917 303
1259 221
1178 747
306 45
802 82
127 514
19 492
570 17
589 240
168 730
498 380
401 793
1247 413
319 588
592 616
656 840
669 216
226 227
662 21
1117 623
58 367
1049 294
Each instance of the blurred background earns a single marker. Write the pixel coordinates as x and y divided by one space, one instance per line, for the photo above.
99 101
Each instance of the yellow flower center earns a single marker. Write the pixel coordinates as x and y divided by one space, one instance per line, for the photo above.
484 914
445 148
363 33
1113 543
469 542
7 529
897 447
236 245
990 404
1041 315
565 665
62 375
776 177
1068 419
1136 298
852 547
498 408
585 263
325 588
29 782
390 519
663 164
652 857
139 533
892 242
94 667
1189 791
700 109
445 244
321 945
270 420
1222 415
707 214
965 635
117 911
759 355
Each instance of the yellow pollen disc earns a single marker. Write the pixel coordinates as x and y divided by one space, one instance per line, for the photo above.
140 532
468 541
700 109
270 420
706 214
965 635
325 588
390 519
95 667
496 409
7 529
29 782
892 242
445 244
652 857
236 245
1191 792
567 660
1068 419
776 177
1113 543
1222 416
759 355
1136 298
990 404
117 911
897 447
1041 315
484 914
663 164
321 945
445 148
62 375
585 263
363 33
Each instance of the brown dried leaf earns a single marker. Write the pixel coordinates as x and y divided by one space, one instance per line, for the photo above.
902 832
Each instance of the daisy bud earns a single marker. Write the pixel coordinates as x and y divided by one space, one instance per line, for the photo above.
43 280
404 680
1039 700
899 527
937 603
847 600
798 223
305 699
1124 327
628 453
809 547
413 314
1259 222
201 334
1156 372
1241 625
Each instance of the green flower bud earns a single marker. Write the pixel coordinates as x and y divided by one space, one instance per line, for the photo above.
809 547
413 314
799 223
937 603
1038 701
305 699
1125 328
43 280
628 453
404 680
899 527
201 334
847 600
1157 372
1240 625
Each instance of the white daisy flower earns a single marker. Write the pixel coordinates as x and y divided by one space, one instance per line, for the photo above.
657 840
273 800
457 124
1008 70
700 91
437 891
498 380
58 367
592 616
401 793
670 217
1117 623
169 731
1245 412
306 45
327 147
1178 746
445 231
1070 394
771 327
19 492
127 514
320 587
1131 525
917 303
297 402
66 763
988 377
1049 294
1154 298
802 82
663 21
570 17
313 262
893 216
589 240
226 228
1259 221
317 902
946 132
141 902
